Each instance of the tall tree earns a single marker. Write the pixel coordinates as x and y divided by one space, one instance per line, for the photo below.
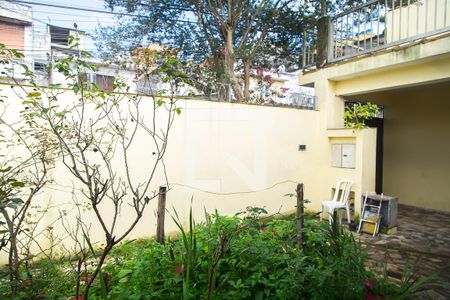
227 36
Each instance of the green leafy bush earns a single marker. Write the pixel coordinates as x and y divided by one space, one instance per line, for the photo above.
356 115
236 258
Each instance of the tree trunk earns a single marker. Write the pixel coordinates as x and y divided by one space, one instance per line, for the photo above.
14 267
237 90
322 35
106 250
247 66
322 42
229 67
161 215
13 257
300 212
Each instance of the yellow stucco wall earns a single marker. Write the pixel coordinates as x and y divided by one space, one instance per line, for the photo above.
218 154
417 132
417 144
417 147
416 18
402 76
363 175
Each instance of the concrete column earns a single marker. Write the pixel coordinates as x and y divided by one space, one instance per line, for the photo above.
329 103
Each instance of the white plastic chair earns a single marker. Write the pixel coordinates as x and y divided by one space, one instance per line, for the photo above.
342 202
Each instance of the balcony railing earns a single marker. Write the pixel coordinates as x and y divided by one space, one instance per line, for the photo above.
301 100
309 47
380 24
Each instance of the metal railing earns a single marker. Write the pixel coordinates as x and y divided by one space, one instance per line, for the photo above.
380 24
309 48
301 100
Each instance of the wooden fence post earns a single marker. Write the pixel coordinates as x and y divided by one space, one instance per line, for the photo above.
161 214
300 211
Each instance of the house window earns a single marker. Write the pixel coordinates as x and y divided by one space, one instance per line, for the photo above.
59 35
148 85
12 35
40 67
105 82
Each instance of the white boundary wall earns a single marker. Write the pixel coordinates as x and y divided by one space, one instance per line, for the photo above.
220 148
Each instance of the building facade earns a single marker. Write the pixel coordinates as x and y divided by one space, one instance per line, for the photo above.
397 56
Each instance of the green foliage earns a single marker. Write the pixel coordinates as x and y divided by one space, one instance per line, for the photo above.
410 284
27 153
51 279
356 115
66 128
236 258
212 49
188 253
252 213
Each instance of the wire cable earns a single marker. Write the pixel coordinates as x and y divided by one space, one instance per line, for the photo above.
91 10
118 13
232 193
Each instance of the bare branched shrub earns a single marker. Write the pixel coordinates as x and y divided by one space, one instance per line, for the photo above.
26 154
97 134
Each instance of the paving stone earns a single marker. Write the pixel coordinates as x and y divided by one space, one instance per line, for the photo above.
422 237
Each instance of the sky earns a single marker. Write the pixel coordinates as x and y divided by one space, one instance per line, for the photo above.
86 21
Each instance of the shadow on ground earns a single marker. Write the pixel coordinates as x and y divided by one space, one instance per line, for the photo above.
422 235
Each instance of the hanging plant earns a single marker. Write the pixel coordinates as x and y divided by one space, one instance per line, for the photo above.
356 115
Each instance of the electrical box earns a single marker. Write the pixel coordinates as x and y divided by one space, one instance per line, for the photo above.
343 155
336 155
348 156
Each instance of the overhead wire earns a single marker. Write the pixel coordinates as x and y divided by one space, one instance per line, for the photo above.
14 11
59 3
77 8
112 12
92 10
232 193
68 14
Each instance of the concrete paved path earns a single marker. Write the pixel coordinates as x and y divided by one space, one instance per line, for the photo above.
422 235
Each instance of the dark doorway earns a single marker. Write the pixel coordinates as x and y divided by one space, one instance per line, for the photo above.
378 123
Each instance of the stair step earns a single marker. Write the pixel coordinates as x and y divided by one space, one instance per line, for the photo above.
368 221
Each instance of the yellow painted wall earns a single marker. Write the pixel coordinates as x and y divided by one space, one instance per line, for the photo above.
215 150
417 144
218 154
402 76
363 175
417 124
418 18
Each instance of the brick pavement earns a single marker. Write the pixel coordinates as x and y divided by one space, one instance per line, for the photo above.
423 235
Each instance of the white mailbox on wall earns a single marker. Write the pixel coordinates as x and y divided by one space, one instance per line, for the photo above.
343 155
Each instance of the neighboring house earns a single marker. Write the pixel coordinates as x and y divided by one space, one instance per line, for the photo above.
42 44
404 67
296 95
16 33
